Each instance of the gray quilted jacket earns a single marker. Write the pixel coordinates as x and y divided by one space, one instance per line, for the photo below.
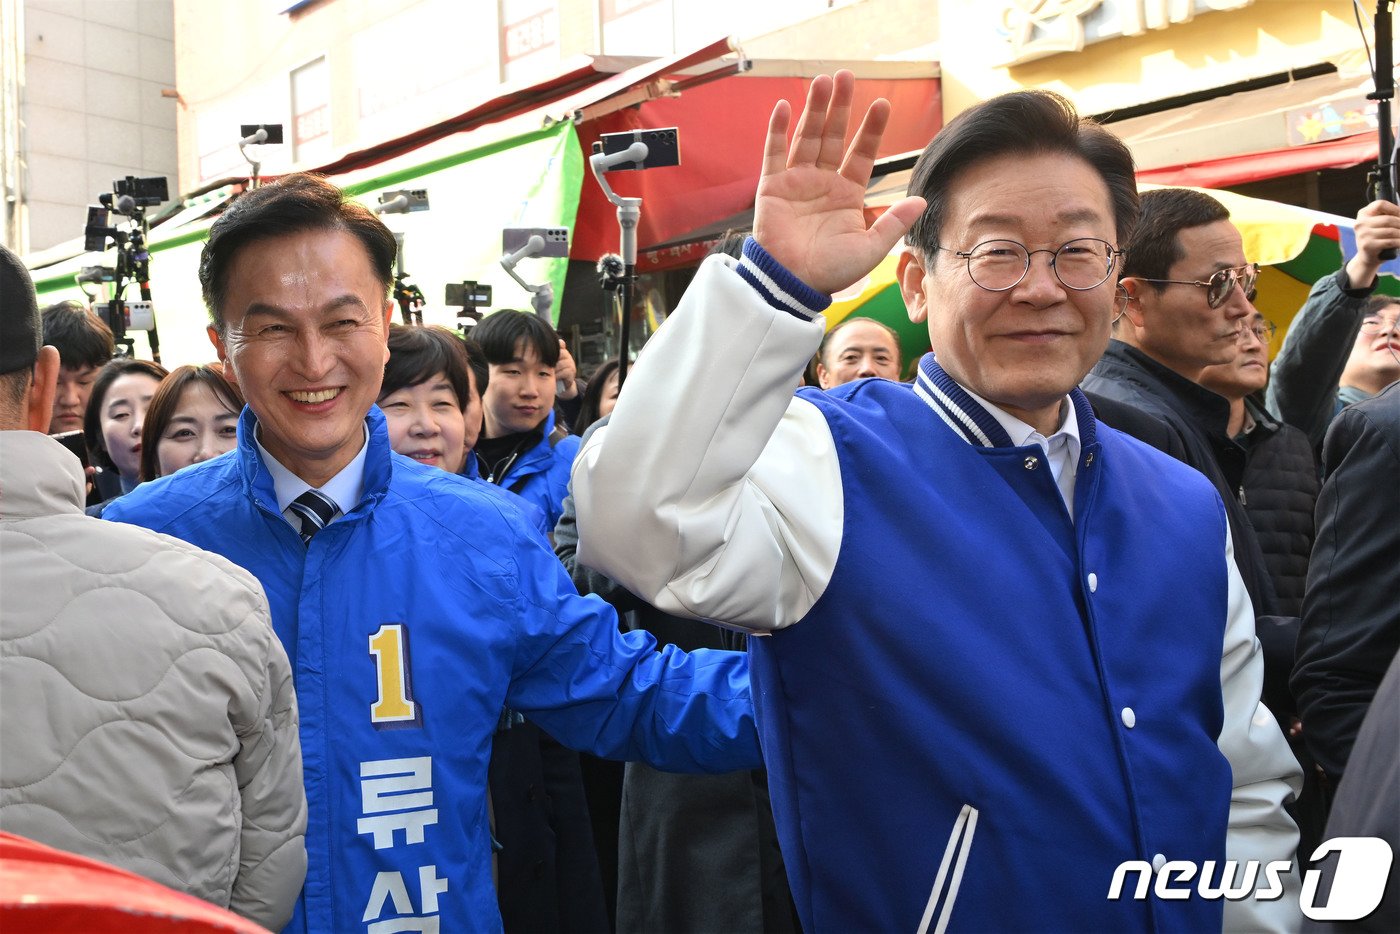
147 716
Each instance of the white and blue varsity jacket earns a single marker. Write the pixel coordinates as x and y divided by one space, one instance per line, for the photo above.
973 708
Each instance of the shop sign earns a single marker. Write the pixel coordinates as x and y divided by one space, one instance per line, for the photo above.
1345 116
1032 29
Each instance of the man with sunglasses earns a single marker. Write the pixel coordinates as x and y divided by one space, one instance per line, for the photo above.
1006 650
1189 287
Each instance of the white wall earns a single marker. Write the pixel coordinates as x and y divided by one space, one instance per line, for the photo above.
90 106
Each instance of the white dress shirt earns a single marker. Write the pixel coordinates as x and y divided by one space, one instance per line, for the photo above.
343 489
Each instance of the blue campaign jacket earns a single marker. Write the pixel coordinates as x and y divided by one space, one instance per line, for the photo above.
541 474
410 622
973 661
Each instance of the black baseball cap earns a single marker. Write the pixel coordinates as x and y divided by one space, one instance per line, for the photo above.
21 334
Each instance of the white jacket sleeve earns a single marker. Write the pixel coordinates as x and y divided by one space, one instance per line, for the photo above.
714 493
1265 772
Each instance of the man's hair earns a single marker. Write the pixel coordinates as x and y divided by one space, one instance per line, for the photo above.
13 386
417 353
92 418
82 338
480 368
1377 303
1155 247
292 204
826 341
166 402
500 333
730 243
1029 123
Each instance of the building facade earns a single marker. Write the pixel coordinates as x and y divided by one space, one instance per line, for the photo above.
86 97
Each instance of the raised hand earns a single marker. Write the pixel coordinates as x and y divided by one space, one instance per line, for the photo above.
1377 227
809 212
565 373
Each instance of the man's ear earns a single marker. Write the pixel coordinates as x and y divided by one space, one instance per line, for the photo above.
221 348
1136 291
388 320
823 377
42 388
911 285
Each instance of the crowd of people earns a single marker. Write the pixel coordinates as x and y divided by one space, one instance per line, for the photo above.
362 615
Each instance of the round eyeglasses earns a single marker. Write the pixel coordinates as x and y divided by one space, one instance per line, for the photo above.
998 265
1263 329
1376 324
1221 283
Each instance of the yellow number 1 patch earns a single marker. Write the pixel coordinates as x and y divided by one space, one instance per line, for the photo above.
389 646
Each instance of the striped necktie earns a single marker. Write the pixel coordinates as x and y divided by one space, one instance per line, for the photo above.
315 510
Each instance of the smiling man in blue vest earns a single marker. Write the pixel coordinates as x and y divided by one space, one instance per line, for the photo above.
1009 649
413 606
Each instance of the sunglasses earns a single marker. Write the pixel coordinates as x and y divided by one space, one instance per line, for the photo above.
1219 286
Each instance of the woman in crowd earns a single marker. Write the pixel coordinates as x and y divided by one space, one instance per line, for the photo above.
192 417
546 867
600 396
113 422
428 398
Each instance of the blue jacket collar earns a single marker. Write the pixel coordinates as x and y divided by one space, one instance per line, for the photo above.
965 415
257 481
537 455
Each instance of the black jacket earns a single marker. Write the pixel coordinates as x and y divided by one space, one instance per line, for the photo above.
1368 805
1131 420
1280 492
1351 613
1200 419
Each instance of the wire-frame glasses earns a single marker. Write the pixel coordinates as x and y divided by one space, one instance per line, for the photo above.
1081 264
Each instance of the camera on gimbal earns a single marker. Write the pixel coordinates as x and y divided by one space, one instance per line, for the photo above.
470 296
129 198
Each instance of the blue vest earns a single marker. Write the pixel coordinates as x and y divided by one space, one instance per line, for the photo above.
960 692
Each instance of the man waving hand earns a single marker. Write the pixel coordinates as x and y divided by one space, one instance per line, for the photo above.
1010 649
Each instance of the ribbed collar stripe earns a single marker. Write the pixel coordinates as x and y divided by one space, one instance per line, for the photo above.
964 414
978 426
945 409
938 410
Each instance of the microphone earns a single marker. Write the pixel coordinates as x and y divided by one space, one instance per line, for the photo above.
610 266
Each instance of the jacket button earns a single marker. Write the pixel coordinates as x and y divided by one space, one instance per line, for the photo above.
1032 463
1129 718
1093 582
1158 862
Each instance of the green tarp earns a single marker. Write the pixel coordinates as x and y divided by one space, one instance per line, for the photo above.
531 180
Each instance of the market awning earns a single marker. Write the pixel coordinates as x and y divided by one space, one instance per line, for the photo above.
1254 166
722 128
590 81
1322 122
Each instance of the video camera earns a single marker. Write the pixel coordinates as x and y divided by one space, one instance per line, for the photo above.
129 198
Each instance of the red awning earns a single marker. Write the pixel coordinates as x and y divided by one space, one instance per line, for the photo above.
581 84
1255 166
722 128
